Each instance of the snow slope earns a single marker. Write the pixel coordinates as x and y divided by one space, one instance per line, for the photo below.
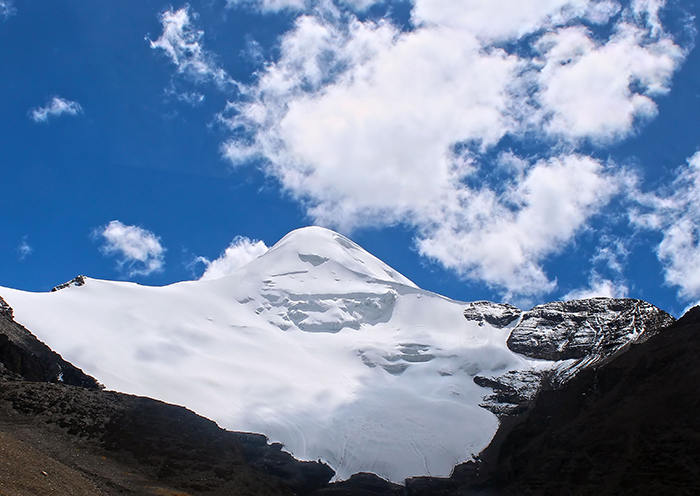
317 344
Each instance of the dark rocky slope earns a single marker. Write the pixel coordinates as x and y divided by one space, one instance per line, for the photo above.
122 444
21 353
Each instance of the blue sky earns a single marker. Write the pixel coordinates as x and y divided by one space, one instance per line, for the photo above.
519 151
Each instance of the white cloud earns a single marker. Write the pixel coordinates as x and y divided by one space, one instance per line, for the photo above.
7 8
326 131
677 216
192 98
595 90
138 250
503 240
24 249
360 122
612 252
55 108
679 251
508 19
182 42
241 251
648 11
598 287
369 123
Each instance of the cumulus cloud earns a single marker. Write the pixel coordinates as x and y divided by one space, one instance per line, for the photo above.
241 251
325 130
182 43
56 107
589 89
677 216
138 251
598 286
502 239
369 123
24 249
508 19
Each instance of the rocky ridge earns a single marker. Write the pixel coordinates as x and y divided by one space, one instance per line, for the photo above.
496 314
570 335
77 281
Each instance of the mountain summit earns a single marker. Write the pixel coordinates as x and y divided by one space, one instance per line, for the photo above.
321 253
323 347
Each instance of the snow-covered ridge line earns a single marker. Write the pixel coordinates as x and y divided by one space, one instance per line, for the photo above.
320 346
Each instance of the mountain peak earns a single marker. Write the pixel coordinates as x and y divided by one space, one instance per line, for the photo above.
310 232
323 254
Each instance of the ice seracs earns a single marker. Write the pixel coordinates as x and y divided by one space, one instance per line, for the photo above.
317 344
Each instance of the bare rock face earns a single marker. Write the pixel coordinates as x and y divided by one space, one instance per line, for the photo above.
5 309
574 335
577 329
495 314
512 391
76 281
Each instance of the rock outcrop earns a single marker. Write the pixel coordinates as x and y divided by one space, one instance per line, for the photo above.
495 314
512 391
77 281
573 335
577 329
5 310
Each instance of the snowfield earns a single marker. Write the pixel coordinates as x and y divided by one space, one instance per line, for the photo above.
317 344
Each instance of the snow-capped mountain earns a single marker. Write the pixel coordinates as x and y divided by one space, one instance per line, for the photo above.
326 349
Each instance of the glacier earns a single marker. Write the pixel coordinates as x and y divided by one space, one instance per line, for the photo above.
317 344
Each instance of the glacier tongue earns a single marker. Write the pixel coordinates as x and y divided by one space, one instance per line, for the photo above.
317 344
